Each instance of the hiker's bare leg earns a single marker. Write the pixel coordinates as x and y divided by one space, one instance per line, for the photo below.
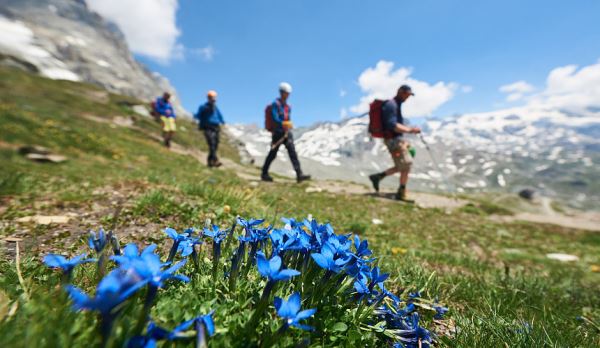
404 177
391 171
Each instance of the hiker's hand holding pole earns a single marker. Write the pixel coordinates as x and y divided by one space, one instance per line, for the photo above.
400 128
280 141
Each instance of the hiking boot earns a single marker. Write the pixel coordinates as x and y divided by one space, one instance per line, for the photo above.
266 177
302 178
217 163
375 179
402 195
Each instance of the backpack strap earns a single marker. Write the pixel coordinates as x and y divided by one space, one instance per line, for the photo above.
286 110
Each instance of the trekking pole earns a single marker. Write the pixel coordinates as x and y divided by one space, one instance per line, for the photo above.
280 141
443 173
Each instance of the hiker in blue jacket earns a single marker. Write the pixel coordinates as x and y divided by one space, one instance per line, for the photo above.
394 125
210 121
278 122
164 108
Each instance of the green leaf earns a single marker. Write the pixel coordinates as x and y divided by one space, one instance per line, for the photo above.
339 326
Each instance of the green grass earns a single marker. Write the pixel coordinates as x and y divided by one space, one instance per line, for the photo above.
500 287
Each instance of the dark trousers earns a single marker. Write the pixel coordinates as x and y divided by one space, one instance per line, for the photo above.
289 145
212 139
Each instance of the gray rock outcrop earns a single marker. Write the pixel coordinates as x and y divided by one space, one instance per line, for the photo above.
63 39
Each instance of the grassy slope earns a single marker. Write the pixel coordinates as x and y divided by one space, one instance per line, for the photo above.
494 277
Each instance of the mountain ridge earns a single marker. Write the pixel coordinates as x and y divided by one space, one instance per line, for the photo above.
551 151
94 50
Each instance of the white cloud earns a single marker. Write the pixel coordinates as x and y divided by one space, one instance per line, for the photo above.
149 25
382 81
344 113
517 90
466 89
568 88
343 93
206 53
571 89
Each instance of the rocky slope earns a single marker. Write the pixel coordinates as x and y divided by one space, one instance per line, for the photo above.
63 39
555 152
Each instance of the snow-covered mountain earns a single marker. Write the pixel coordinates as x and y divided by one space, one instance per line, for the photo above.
553 151
63 39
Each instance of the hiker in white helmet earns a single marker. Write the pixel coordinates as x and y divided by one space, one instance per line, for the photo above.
278 122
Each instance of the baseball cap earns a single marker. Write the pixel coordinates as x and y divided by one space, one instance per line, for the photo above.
406 88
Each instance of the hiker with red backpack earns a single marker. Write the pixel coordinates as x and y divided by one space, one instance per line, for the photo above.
278 122
209 121
386 121
163 107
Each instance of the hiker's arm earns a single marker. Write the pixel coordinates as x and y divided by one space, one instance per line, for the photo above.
400 128
275 113
221 120
160 107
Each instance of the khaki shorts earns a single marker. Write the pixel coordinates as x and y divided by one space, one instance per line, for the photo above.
168 124
398 148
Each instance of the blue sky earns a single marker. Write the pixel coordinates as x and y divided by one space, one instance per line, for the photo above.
322 47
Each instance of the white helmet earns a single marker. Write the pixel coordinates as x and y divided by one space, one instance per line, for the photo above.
285 87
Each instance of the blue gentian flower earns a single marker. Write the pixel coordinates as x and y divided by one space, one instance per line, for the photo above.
202 324
319 233
131 253
440 311
67 266
177 237
410 334
290 311
271 269
283 239
386 293
377 278
362 289
216 234
359 269
155 333
186 246
256 235
98 242
147 265
114 289
114 242
361 248
249 224
326 259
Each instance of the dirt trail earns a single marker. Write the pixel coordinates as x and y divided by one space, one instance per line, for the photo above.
586 221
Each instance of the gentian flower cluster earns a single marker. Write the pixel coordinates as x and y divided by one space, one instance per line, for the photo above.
303 264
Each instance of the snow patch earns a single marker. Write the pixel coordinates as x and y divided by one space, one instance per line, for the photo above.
17 39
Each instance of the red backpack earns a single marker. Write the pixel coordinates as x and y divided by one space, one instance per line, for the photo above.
269 122
153 111
376 122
